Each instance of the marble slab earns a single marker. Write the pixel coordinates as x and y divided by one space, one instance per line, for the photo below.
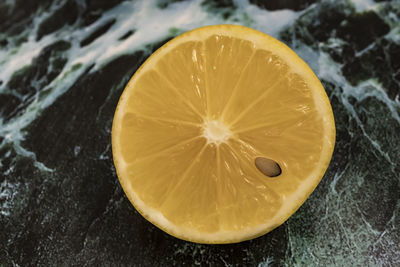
63 66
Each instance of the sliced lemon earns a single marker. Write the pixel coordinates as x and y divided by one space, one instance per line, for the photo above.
193 120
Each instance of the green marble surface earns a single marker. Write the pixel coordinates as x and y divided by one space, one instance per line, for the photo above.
63 66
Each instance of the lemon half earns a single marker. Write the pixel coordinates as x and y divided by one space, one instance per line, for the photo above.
197 114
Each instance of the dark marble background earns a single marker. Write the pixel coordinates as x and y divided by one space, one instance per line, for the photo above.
63 66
